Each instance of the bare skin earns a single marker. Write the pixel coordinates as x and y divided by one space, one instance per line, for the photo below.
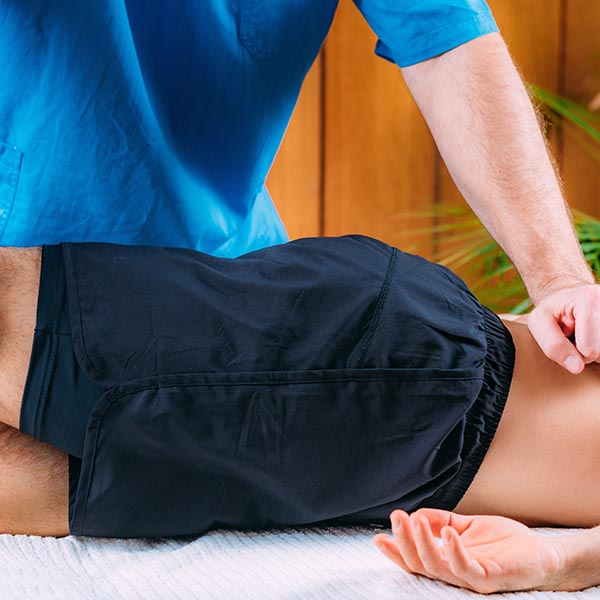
544 455
33 475
540 468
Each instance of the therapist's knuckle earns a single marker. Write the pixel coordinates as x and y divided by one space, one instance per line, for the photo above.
539 318
589 302
554 349
533 326
595 292
591 353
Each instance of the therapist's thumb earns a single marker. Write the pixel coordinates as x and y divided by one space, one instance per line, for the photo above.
553 342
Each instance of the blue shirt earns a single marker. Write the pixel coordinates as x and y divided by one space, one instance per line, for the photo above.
156 121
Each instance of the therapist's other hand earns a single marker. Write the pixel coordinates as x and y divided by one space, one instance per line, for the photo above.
566 325
482 553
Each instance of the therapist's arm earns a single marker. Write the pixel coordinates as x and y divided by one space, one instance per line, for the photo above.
487 131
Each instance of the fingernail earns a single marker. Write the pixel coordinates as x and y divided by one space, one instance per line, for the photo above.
396 526
571 364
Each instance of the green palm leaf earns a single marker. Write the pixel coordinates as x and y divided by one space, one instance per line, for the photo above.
485 265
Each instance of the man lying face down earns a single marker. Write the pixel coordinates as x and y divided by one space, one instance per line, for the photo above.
167 392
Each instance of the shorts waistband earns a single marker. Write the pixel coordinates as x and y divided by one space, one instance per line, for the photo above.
483 417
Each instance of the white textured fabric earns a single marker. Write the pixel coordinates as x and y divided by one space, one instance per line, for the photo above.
290 564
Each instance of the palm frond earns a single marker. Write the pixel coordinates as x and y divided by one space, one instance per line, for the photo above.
585 119
494 279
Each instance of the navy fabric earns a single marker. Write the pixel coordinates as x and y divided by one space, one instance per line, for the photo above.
58 395
321 381
156 121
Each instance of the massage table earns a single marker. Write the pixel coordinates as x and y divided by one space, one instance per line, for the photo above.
302 564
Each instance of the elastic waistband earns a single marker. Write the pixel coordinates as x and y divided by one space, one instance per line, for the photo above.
483 417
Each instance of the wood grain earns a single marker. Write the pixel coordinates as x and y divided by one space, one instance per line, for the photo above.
369 159
581 172
378 152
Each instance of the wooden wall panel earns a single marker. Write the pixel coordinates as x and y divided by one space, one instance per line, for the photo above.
531 31
295 178
378 153
581 173
365 162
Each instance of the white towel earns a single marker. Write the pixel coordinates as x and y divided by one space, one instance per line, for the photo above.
301 564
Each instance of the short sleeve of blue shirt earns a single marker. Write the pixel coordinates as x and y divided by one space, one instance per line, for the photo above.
411 31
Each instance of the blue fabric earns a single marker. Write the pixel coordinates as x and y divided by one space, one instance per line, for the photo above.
428 27
156 122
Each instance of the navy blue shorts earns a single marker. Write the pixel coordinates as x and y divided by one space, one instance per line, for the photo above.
323 381
58 396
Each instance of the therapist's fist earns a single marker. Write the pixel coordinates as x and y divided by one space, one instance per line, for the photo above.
566 325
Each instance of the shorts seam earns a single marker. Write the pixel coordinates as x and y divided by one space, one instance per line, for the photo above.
43 393
286 382
80 337
53 332
378 308
58 293
43 390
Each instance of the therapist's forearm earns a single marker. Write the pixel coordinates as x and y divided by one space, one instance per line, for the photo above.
486 129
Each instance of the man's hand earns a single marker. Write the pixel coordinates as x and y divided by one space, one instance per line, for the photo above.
482 553
565 315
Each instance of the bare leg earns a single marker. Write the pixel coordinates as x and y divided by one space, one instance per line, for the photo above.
19 281
34 479
34 486
543 466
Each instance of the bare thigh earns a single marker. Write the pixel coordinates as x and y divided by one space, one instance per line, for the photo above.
34 479
543 466
34 486
19 282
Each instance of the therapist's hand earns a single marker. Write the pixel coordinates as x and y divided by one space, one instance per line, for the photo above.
566 325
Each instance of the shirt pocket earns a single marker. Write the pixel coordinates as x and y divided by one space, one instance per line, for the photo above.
285 30
184 454
11 159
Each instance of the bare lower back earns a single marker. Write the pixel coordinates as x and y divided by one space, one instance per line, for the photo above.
543 466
